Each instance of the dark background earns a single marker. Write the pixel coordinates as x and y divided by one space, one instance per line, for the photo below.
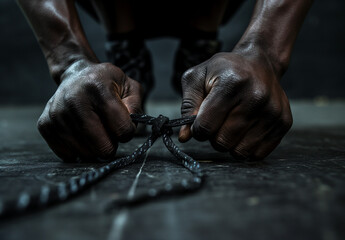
317 66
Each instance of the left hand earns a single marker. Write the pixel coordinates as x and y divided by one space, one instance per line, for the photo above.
240 105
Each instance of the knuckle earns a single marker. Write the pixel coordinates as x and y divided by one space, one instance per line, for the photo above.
224 83
135 86
223 142
95 91
55 114
135 108
92 87
228 87
125 131
238 80
192 82
228 84
259 97
107 65
202 129
70 100
275 112
73 101
106 150
42 123
240 152
191 78
219 55
219 58
286 122
188 75
114 71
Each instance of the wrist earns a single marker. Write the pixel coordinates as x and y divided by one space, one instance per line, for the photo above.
65 57
273 29
279 60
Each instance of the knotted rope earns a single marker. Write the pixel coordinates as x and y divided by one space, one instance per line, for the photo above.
161 127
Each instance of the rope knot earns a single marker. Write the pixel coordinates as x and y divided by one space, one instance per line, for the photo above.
161 127
158 125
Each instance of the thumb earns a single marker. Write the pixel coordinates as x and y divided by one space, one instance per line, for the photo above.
193 96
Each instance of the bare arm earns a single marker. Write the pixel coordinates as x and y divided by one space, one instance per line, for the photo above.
274 28
58 30
240 104
89 113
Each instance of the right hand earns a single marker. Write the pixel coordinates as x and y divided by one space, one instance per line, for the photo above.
240 105
90 112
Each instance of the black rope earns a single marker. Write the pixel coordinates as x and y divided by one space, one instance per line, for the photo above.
161 127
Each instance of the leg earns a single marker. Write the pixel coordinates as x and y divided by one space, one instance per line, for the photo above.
199 40
116 16
208 15
125 47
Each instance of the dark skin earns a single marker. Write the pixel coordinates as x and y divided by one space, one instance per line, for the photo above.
240 105
89 113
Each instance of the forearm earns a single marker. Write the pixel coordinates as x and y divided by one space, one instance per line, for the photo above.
58 30
273 29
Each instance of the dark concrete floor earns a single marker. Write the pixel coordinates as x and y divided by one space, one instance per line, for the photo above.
298 192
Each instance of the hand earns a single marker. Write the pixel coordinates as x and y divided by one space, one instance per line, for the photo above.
90 112
239 103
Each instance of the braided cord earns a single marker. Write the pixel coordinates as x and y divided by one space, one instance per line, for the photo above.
161 127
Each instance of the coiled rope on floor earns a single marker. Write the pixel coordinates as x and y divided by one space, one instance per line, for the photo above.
161 127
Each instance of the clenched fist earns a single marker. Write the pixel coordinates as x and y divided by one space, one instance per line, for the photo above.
240 105
90 112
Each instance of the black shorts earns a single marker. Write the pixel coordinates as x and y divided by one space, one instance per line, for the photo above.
167 20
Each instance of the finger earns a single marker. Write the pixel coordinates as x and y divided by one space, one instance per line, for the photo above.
66 121
193 95
234 128
116 119
255 138
93 135
262 138
76 144
212 113
273 138
50 134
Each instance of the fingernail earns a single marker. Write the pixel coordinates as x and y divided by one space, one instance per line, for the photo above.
184 134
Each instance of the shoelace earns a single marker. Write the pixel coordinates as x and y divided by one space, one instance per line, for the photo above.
161 127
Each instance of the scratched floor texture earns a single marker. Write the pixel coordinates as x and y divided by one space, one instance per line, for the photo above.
298 192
